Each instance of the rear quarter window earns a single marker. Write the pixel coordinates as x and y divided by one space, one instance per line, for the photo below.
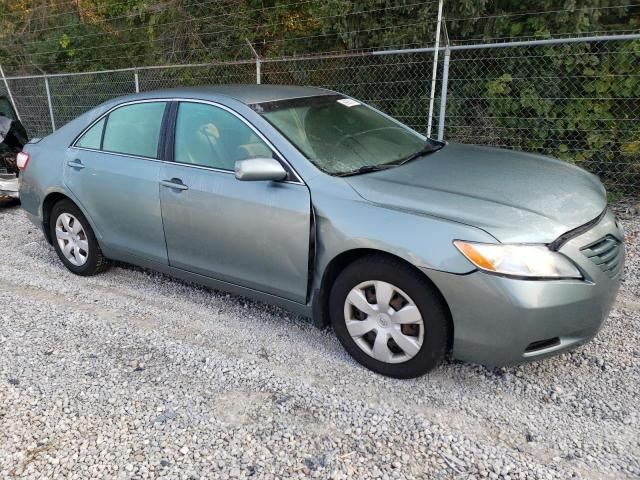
92 137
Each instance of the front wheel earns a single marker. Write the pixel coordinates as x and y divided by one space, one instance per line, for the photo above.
74 240
389 317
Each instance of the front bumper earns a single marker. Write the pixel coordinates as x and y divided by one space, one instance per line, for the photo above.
9 186
503 321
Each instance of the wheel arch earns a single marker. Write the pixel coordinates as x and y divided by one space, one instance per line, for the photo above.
340 262
47 205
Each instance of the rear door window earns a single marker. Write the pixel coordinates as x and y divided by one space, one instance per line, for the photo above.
134 129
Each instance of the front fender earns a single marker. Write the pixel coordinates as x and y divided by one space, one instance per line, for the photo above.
345 224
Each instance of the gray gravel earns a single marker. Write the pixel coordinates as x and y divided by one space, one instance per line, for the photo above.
134 375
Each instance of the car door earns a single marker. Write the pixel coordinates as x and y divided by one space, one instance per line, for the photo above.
249 233
113 170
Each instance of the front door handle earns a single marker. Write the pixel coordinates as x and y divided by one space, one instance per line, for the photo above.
77 164
174 183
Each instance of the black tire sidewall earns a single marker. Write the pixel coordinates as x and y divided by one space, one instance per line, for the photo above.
422 292
90 267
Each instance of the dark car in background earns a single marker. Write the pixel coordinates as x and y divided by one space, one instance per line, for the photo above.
13 137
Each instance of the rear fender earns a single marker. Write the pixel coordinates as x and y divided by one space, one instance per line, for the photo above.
58 193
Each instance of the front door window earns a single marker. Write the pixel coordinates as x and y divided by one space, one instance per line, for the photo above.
209 136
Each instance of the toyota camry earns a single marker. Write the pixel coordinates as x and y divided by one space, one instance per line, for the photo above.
411 248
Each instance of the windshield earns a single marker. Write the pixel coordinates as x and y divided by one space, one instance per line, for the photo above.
341 135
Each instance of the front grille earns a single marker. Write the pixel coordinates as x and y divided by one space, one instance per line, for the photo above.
606 253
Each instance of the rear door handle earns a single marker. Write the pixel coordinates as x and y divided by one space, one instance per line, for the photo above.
174 183
77 164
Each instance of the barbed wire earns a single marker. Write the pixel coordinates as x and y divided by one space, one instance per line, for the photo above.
204 35
234 45
541 12
235 15
200 19
525 38
176 33
200 36
131 15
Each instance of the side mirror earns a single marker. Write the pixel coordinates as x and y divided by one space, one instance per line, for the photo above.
255 169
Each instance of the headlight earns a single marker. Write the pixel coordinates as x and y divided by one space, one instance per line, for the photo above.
531 261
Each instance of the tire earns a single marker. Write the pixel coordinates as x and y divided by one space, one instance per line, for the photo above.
88 259
363 278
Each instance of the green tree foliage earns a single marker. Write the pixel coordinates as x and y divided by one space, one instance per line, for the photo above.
70 35
578 102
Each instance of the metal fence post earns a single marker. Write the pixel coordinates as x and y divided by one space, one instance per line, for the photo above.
6 86
137 80
434 72
46 86
258 63
443 93
258 71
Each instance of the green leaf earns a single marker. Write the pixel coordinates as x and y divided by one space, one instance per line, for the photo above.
65 41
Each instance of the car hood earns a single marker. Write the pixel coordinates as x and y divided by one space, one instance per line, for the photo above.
514 196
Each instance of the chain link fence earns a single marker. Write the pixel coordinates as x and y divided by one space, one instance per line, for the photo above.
579 102
575 99
397 84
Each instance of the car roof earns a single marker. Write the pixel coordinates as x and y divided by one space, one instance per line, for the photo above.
248 94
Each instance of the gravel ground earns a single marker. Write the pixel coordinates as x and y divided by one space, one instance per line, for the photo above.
134 375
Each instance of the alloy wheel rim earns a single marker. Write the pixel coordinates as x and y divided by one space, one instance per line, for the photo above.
384 321
72 239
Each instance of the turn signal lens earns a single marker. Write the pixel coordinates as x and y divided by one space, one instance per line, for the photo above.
469 251
22 159
530 261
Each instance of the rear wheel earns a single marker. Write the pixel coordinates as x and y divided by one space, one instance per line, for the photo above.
74 240
389 317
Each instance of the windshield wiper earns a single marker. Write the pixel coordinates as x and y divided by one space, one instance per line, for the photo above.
366 169
430 147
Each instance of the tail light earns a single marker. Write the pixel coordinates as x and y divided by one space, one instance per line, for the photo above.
22 159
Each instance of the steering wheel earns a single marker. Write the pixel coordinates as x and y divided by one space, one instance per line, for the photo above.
346 137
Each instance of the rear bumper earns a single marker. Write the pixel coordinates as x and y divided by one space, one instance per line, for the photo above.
503 321
9 186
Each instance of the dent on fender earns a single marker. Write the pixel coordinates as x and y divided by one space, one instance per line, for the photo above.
423 241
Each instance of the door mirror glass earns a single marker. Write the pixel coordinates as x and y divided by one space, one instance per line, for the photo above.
255 169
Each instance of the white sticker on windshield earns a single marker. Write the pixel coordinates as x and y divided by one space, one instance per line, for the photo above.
347 102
